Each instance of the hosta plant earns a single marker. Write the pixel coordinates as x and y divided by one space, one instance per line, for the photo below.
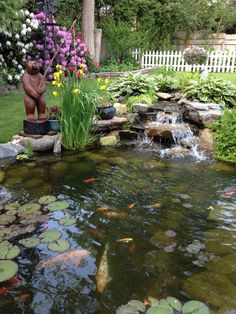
212 89
131 85
164 83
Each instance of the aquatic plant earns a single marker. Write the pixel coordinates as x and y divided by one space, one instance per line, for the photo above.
169 305
58 205
50 236
60 245
8 269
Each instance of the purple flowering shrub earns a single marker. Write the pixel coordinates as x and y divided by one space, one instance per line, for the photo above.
195 55
71 54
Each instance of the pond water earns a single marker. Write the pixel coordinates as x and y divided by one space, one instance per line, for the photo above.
152 198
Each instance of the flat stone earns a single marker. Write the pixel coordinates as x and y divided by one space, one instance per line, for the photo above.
206 141
201 113
148 116
128 135
109 140
138 127
164 96
140 108
133 118
190 142
10 150
107 125
165 131
45 143
121 109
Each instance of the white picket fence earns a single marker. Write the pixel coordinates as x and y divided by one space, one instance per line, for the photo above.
217 61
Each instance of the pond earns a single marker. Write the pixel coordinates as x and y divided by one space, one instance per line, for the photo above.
162 227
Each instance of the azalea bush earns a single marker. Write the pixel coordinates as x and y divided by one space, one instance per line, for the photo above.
212 89
195 55
225 136
14 46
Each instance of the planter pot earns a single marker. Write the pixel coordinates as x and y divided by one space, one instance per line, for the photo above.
54 125
106 113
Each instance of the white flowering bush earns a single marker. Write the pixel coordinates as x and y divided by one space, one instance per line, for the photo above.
15 46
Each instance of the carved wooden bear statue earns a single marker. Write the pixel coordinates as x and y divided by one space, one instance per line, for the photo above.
34 86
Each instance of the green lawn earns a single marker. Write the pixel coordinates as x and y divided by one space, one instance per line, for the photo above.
12 111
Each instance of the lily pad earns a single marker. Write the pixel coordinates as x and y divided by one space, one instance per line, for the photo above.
170 233
12 206
159 310
66 221
50 236
174 303
127 309
47 199
11 212
6 219
195 247
8 251
195 307
59 246
8 269
59 205
30 242
137 304
28 209
153 302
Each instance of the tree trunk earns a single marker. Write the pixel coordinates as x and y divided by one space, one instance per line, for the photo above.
88 25
97 44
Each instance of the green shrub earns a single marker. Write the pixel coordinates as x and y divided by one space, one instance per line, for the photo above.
131 85
140 99
164 83
112 65
187 79
212 89
164 71
225 136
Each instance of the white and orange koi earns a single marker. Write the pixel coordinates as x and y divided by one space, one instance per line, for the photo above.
74 257
102 276
125 240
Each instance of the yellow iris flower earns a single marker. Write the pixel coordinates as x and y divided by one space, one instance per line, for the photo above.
107 81
103 87
58 67
99 79
55 94
76 91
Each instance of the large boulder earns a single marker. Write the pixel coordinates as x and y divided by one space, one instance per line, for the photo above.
44 143
10 150
109 140
203 114
121 109
164 96
206 141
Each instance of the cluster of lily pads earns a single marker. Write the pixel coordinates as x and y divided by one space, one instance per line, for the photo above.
169 305
164 240
19 219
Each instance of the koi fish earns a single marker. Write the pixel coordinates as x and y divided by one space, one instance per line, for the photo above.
74 257
24 296
111 214
102 276
230 192
5 290
157 205
89 180
130 206
125 240
102 209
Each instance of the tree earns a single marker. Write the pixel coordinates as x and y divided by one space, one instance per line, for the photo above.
88 28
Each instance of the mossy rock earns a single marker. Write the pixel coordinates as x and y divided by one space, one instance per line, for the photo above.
30 242
28 209
58 205
6 219
161 239
2 176
47 199
8 269
50 236
225 265
59 246
220 241
67 221
213 288
8 251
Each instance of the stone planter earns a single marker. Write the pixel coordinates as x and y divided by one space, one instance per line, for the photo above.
54 125
106 113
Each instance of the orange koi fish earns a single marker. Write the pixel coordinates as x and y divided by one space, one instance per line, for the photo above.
102 276
111 214
125 240
74 257
230 192
89 180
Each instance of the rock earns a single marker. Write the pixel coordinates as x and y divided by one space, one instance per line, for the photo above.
128 135
2 175
121 109
108 125
10 150
163 96
4 90
148 116
57 145
177 96
190 142
206 141
201 113
220 241
116 134
45 143
11 87
133 118
225 265
140 108
108 140
177 151
165 131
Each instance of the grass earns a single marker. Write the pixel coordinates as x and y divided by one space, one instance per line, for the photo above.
12 110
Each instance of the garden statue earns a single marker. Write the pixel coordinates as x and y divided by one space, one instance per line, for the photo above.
34 86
